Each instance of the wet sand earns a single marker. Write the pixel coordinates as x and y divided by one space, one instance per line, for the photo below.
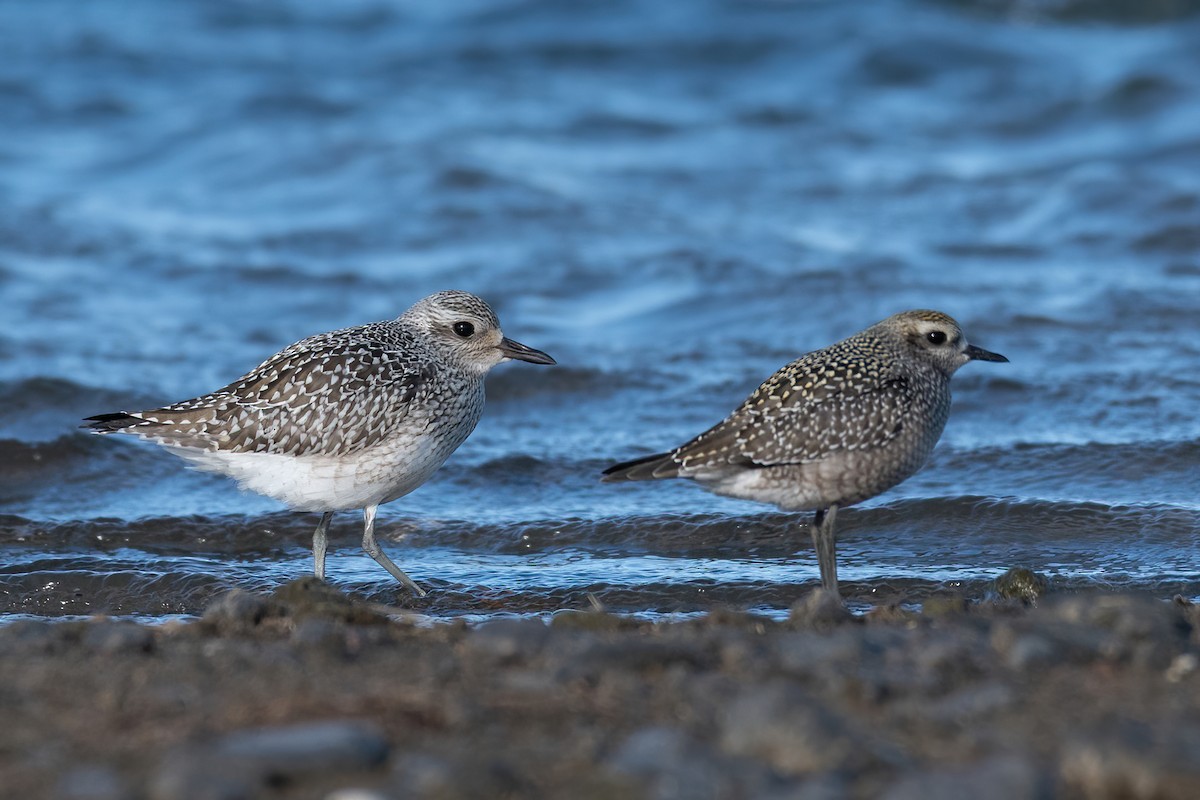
309 694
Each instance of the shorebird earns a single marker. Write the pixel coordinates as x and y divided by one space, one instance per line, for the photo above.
832 428
344 420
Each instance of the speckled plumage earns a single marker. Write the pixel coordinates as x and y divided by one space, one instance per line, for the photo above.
343 420
832 428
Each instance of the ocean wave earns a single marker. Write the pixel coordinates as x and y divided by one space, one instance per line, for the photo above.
1081 11
986 518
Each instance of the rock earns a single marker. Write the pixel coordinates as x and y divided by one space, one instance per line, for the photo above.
110 636
193 774
30 635
973 703
1137 628
635 654
508 640
736 619
356 794
892 614
1080 629
1190 613
790 731
809 654
650 750
296 750
320 635
673 766
244 764
424 775
829 786
1024 651
1181 667
310 596
819 610
1020 584
591 621
848 663
999 778
1043 639
92 783
947 660
946 606
1134 762
235 612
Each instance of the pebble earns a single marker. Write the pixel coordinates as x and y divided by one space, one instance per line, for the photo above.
195 775
1130 761
819 610
1080 629
92 783
316 634
356 794
1024 651
1138 629
806 653
999 778
1020 584
244 763
601 656
974 703
946 606
674 766
789 730
236 611
111 636
509 640
591 621
309 597
316 747
1181 667
426 775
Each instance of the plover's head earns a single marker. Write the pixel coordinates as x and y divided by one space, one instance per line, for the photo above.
934 338
464 328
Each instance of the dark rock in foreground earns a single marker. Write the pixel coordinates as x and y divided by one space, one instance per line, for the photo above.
308 693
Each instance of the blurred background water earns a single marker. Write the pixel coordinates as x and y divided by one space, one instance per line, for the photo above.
673 199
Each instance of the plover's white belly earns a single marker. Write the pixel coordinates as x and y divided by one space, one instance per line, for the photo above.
368 477
841 479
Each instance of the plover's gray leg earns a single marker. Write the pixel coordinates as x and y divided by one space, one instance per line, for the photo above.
825 542
319 542
375 552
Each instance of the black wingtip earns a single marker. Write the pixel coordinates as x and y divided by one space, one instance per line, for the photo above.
107 423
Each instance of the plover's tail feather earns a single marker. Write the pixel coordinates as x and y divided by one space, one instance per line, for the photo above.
647 468
109 423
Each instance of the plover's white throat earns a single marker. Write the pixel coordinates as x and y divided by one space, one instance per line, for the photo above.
344 420
833 428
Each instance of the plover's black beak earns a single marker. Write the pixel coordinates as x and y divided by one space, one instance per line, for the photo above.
979 354
516 350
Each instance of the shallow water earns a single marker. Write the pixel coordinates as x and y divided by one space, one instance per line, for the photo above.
673 201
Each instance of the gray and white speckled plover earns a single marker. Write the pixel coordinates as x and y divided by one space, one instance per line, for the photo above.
832 428
344 420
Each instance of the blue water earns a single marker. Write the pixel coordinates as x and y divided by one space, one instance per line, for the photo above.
673 200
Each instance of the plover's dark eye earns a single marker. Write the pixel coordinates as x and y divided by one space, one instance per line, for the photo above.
464 329
936 337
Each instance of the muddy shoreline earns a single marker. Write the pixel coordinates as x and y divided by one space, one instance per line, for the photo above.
307 693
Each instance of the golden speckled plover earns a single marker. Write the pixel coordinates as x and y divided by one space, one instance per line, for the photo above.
344 420
832 428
